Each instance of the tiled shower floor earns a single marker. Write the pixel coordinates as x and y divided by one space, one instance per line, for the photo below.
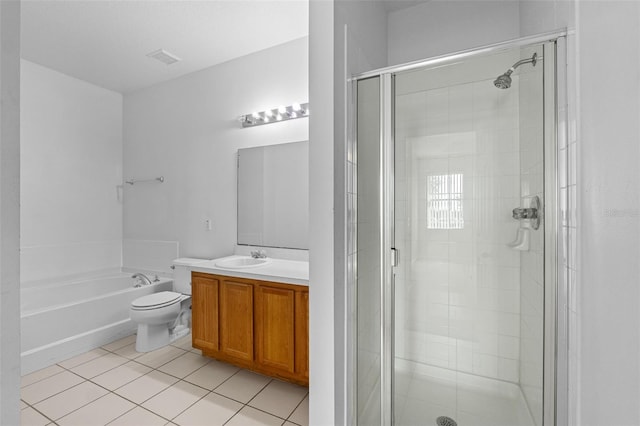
174 385
421 399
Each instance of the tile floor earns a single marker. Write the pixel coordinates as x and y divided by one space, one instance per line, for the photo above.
174 385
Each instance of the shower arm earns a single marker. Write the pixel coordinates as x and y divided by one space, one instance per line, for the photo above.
532 60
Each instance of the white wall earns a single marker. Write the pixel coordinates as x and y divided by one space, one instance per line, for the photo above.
537 17
9 212
71 165
322 356
609 212
440 27
365 42
602 224
360 44
187 131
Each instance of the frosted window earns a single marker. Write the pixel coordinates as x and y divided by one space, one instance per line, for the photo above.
444 202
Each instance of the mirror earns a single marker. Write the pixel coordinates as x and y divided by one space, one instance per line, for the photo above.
273 196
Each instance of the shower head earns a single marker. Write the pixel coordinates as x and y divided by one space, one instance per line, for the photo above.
504 81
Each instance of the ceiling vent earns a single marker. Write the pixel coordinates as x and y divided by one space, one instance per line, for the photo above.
164 57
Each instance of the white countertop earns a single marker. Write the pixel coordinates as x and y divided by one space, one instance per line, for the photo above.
277 270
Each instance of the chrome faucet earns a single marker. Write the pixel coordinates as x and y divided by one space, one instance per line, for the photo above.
520 213
531 213
259 254
141 279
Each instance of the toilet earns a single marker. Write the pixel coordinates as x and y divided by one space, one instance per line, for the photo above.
164 316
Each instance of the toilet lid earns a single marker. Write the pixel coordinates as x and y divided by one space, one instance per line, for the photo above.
156 300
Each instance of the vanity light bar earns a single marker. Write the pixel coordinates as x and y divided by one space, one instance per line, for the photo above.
281 113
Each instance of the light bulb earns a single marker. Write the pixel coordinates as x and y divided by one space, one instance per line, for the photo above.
282 109
255 115
296 107
278 117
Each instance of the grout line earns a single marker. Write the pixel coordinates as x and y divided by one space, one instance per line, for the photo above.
89 378
90 402
38 381
266 412
119 347
194 403
163 364
234 414
70 387
85 362
179 379
294 410
123 414
39 412
225 381
259 409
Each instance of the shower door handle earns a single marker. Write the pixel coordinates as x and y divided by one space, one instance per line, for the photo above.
395 257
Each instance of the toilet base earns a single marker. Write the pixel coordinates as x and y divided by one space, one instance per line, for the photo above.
152 337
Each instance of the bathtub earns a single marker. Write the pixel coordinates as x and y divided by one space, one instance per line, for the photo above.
61 320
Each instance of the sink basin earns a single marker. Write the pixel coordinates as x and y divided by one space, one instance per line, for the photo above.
241 263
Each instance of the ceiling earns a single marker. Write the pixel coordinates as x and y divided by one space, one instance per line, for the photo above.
106 42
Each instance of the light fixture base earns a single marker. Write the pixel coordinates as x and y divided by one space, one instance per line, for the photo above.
275 115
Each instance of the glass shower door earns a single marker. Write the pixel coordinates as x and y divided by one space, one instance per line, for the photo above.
368 249
469 289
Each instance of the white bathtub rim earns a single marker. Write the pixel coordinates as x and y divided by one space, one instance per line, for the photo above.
29 313
91 276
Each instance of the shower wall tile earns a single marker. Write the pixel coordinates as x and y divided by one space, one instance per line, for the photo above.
508 369
509 347
485 365
509 324
460 288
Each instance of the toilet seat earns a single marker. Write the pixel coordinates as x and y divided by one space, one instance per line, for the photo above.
156 300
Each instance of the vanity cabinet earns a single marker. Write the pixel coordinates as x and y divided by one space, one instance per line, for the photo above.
275 334
204 312
236 318
259 325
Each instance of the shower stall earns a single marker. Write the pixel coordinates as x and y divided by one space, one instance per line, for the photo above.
452 213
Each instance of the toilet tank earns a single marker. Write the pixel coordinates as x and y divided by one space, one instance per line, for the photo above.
182 274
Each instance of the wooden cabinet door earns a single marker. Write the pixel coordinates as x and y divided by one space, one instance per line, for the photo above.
204 312
275 327
236 319
302 333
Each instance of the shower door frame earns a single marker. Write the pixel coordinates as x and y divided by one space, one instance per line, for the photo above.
555 354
